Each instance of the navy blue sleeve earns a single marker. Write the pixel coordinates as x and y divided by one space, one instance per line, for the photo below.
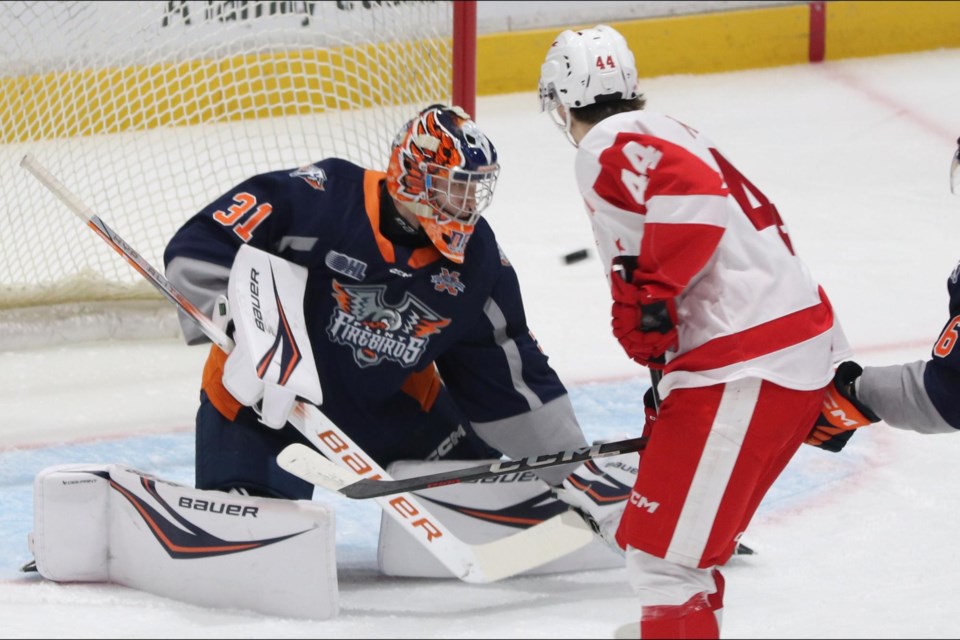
941 378
498 369
294 214
942 384
268 211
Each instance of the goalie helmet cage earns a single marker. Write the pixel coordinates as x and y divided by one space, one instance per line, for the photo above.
149 110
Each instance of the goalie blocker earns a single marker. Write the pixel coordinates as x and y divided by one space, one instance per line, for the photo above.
109 523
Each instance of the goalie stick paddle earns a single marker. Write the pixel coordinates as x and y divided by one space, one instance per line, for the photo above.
476 563
306 463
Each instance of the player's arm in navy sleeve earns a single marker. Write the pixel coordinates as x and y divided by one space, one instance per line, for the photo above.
501 379
278 212
198 258
921 396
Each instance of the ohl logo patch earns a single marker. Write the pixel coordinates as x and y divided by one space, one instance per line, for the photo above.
377 331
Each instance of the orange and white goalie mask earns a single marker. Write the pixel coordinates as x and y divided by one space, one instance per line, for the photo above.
445 169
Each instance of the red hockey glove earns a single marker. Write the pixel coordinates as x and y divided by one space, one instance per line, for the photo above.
842 412
645 331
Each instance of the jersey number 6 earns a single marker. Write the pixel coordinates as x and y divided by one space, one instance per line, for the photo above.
948 339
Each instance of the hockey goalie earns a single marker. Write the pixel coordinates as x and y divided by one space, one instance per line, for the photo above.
270 552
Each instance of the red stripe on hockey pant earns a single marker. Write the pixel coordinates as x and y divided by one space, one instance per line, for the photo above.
731 479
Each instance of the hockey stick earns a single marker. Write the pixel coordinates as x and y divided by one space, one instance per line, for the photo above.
624 266
478 563
305 462
212 331
955 171
655 376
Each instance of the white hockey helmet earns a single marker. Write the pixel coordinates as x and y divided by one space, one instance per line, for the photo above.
586 67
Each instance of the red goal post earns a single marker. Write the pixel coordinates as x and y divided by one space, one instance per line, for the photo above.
148 110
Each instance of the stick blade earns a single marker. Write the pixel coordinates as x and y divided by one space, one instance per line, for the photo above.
551 539
308 464
492 561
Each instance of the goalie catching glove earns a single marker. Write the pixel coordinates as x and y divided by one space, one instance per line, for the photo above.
272 362
598 491
842 411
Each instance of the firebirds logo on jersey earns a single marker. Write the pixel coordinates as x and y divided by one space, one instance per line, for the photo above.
312 175
378 331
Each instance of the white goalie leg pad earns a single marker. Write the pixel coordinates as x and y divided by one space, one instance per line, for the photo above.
109 523
480 512
71 515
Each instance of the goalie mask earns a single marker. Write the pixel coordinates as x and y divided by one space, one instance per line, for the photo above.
445 170
583 68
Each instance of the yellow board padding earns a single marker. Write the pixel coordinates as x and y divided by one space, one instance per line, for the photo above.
703 43
113 100
734 40
858 29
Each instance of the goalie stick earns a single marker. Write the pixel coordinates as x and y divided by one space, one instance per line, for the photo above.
306 463
475 563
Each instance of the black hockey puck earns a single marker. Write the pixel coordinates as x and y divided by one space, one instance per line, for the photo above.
576 256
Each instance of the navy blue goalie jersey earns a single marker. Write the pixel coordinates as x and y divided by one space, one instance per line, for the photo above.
388 319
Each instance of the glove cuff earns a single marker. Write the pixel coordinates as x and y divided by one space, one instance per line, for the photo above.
845 380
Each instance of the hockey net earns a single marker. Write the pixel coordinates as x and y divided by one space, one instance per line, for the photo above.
148 110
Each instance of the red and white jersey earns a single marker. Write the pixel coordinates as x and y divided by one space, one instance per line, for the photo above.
707 238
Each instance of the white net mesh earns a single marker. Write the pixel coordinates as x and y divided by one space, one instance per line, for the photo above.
149 110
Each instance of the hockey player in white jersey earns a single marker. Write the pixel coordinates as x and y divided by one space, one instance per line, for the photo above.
708 290
922 396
